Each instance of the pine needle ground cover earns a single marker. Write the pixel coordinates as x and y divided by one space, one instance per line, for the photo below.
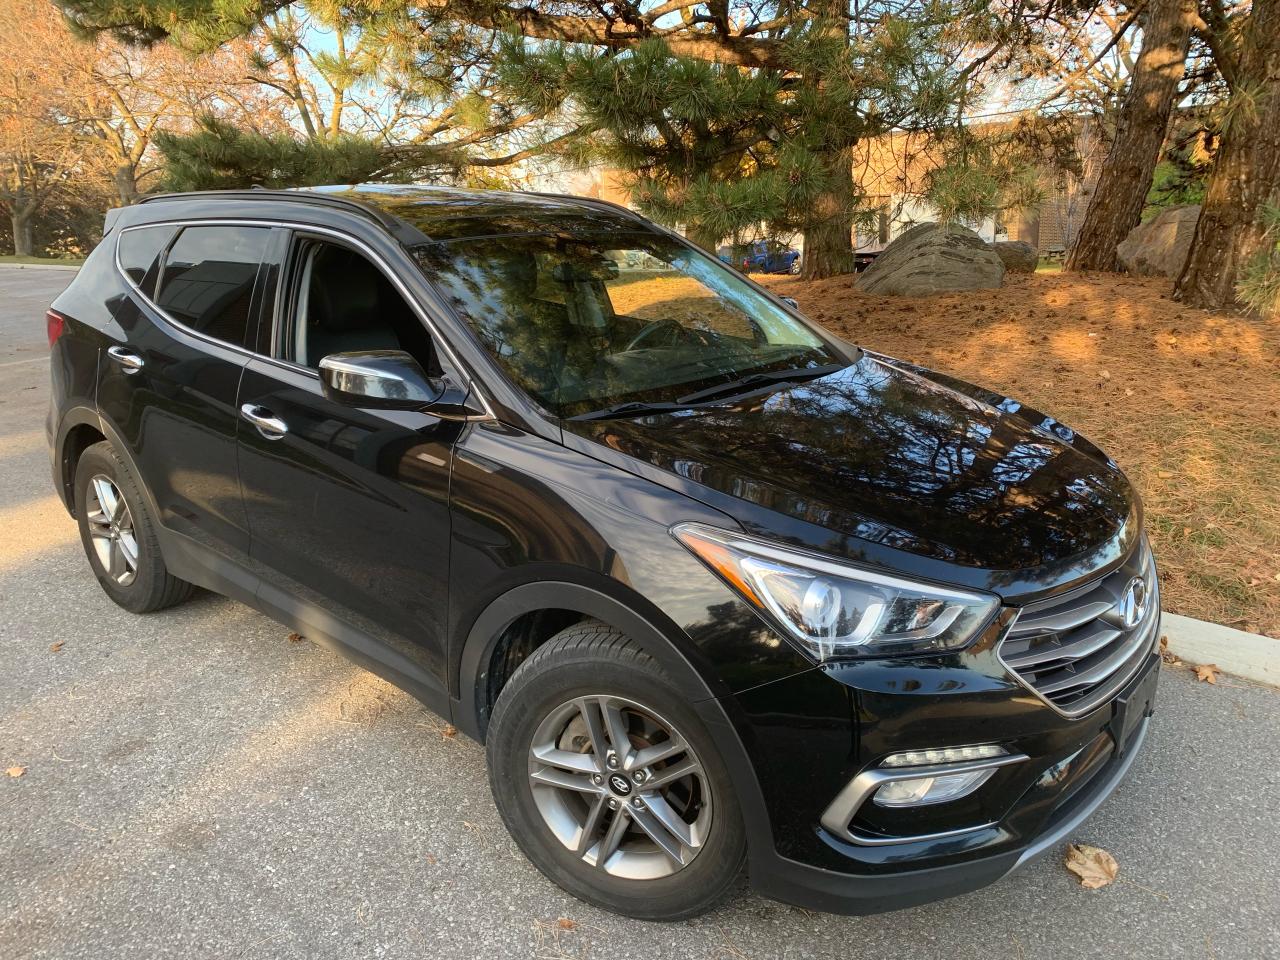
1186 401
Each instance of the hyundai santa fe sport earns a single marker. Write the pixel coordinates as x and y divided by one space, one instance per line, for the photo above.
719 592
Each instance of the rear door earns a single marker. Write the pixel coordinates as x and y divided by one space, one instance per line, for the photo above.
349 507
169 386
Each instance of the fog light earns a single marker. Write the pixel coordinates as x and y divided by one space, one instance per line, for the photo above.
921 758
937 789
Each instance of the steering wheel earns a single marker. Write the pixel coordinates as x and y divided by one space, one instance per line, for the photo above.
650 330
679 334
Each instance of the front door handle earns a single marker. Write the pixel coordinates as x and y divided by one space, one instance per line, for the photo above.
268 424
130 361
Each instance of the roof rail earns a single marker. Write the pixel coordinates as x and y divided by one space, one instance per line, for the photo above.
401 230
589 202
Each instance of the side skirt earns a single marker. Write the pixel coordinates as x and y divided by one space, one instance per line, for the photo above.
198 564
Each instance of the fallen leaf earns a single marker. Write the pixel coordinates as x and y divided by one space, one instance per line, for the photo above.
1093 865
1128 392
1208 672
431 859
55 647
564 923
16 771
295 637
1105 374
448 732
1168 656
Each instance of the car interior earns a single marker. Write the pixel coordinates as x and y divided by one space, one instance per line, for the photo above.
344 303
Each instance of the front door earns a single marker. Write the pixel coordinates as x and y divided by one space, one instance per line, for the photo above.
348 508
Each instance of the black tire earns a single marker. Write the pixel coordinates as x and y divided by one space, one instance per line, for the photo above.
586 660
151 587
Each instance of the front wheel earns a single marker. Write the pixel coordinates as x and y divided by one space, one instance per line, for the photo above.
609 782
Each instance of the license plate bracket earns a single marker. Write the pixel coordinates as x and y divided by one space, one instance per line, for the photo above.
1129 709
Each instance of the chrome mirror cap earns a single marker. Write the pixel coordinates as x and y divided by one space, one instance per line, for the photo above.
386 379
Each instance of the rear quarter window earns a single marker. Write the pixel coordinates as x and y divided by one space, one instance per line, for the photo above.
139 254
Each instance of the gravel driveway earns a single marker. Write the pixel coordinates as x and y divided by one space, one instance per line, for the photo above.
198 785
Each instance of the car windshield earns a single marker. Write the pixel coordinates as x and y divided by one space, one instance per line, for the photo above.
588 322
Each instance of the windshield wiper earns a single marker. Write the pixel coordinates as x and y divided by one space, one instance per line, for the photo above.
634 408
702 399
756 380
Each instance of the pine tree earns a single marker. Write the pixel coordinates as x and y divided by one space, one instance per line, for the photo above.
222 156
845 72
1235 230
1116 205
692 138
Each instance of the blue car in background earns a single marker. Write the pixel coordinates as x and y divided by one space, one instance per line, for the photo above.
761 256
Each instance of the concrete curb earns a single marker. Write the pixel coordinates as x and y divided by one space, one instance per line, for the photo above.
1247 655
39 266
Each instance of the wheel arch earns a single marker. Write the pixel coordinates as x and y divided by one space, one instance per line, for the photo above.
579 601
81 428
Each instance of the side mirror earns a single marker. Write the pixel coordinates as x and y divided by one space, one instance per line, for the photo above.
791 302
392 380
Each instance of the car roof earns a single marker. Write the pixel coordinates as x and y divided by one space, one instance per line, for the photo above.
437 214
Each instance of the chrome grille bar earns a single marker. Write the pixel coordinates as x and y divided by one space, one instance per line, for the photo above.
1075 651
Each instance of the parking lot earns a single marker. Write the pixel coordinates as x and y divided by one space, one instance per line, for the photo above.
198 784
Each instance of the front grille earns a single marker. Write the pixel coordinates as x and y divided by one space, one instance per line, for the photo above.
1074 650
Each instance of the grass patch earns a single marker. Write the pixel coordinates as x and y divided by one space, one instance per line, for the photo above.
54 261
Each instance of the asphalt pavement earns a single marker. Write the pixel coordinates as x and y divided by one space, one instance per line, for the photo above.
199 785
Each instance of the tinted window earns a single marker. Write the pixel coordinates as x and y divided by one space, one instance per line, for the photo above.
139 253
207 280
587 321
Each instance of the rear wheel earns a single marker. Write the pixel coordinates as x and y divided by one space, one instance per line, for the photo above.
117 530
609 782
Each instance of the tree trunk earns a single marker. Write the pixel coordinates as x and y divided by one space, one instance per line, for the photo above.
126 181
1246 172
1116 205
24 241
828 237
828 229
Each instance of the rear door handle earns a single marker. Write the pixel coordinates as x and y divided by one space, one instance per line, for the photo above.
130 361
268 424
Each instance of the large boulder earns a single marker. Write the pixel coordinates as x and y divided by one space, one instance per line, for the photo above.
933 258
1017 256
1159 247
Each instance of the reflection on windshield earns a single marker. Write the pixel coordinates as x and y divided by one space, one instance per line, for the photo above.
582 322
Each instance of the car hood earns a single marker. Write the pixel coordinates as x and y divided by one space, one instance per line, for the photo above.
891 453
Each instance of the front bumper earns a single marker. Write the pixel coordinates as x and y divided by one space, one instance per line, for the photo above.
1065 788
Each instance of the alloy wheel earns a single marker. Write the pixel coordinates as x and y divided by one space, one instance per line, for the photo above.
620 787
111 529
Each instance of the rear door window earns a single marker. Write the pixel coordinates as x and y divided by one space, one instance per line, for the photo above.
207 281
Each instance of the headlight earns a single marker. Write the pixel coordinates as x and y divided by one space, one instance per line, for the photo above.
833 610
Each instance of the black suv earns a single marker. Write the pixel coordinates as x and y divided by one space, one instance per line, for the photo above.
713 587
